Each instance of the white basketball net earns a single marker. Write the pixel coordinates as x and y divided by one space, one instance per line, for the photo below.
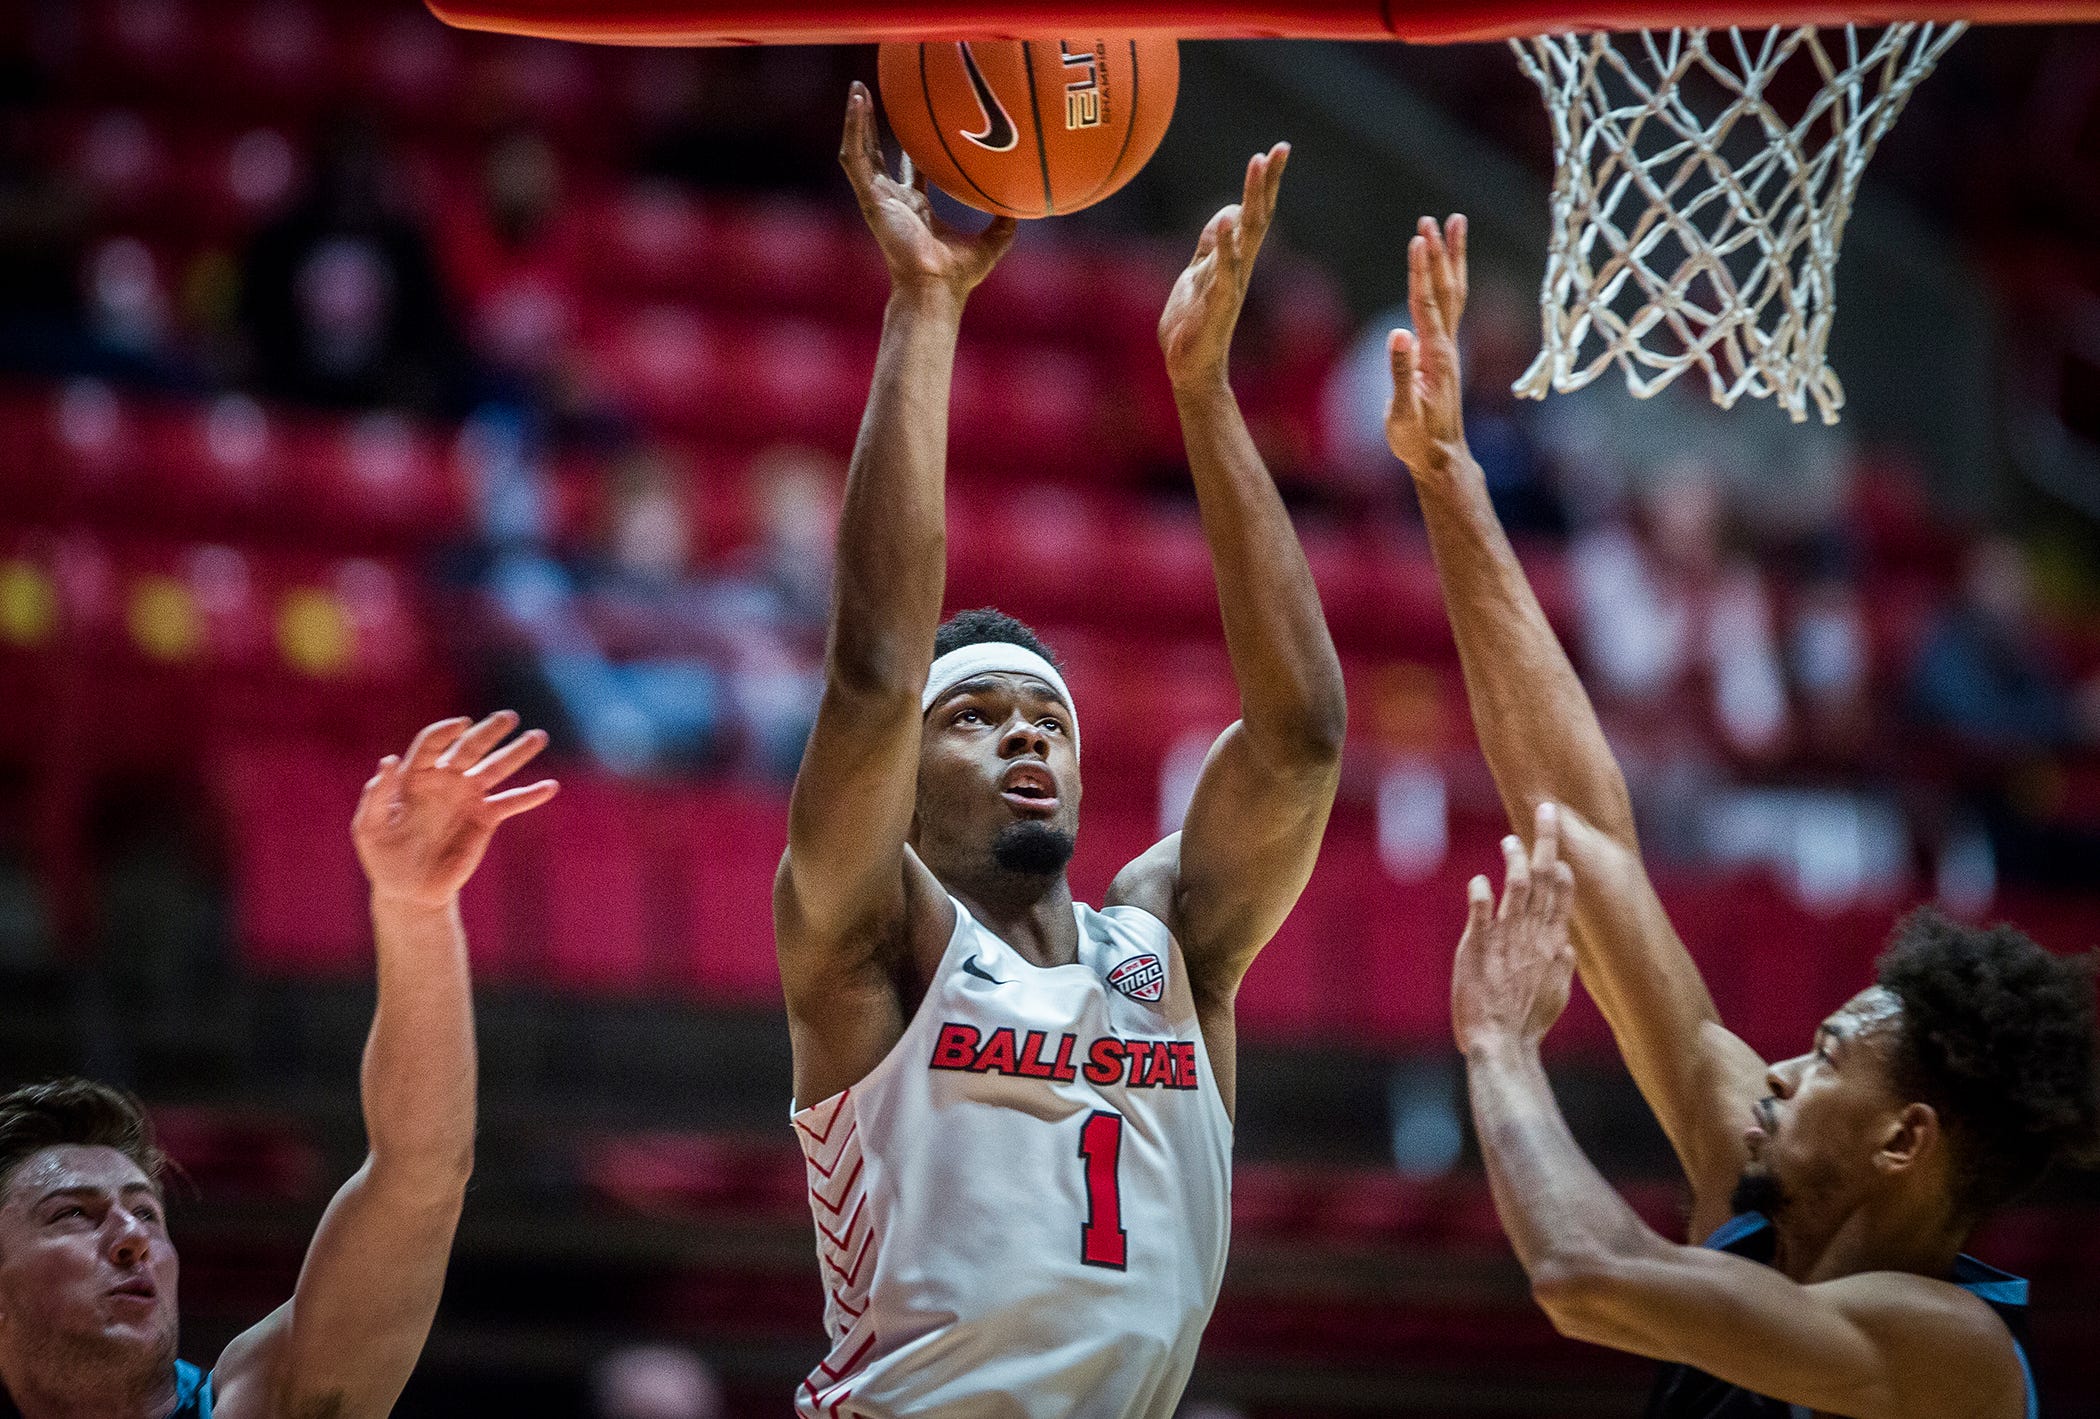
1685 240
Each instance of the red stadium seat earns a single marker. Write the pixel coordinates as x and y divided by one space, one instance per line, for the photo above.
299 897
726 844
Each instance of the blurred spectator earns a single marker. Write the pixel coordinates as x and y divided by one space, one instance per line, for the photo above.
1828 665
1501 429
795 491
340 296
1673 620
655 664
511 260
1980 674
655 1382
634 708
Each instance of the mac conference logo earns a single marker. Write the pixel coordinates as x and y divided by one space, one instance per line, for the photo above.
1140 978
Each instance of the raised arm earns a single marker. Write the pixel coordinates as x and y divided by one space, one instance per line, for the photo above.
1544 745
1879 1345
1261 802
847 886
346 1342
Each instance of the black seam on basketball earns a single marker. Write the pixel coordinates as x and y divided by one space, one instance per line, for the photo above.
1385 15
1035 110
941 135
1129 131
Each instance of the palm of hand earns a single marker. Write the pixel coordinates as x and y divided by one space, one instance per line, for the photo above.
1425 417
1195 330
426 818
1196 327
426 839
913 238
1515 964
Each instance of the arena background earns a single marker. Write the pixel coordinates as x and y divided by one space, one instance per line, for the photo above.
358 371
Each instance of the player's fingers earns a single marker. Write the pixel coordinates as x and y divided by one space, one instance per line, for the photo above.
853 142
1516 878
466 751
1480 903
1563 904
1437 265
909 175
1260 207
1422 298
1400 351
1229 221
513 801
1455 228
1545 842
509 759
375 786
433 741
997 237
1207 239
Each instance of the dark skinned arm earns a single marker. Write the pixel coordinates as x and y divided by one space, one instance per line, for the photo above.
1878 1345
850 898
1543 744
1261 802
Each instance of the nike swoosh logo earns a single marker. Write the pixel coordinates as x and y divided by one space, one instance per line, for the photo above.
970 965
998 135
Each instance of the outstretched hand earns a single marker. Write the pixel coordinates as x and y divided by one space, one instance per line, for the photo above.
426 817
1424 423
1511 978
1195 332
922 251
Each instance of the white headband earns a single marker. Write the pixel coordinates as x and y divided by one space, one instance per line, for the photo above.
993 658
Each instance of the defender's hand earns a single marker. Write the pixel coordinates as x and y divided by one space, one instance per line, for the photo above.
1424 423
1514 967
426 818
1195 332
923 252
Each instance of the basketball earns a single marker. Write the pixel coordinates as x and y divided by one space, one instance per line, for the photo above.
1031 128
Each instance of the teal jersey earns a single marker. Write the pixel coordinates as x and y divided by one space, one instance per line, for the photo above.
192 1392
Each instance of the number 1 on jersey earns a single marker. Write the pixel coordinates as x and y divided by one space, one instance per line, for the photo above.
1102 1239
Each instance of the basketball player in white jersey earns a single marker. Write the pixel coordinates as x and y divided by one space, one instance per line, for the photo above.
1016 1109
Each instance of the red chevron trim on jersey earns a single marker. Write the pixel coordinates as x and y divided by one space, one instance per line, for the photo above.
838 1106
846 1366
851 1277
843 1238
838 1157
839 1300
834 1208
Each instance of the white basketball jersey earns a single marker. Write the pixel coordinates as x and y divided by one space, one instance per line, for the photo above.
1023 1209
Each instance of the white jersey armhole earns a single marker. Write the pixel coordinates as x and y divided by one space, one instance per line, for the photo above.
887 1064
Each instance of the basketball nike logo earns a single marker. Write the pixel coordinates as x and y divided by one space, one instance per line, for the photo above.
998 135
971 967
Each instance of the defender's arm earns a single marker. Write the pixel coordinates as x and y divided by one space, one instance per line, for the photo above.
347 1341
1261 802
842 897
1876 1346
1544 745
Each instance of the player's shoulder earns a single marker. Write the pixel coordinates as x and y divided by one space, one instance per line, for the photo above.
1926 1326
1151 881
